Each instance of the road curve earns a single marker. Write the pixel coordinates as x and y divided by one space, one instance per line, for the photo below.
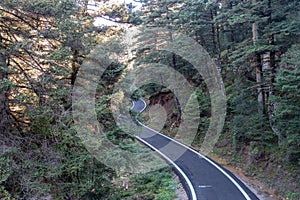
203 178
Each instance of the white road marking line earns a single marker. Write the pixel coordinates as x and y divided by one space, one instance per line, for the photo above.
194 197
204 186
133 104
145 105
208 160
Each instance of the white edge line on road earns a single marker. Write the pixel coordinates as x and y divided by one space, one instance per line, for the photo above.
211 162
133 104
194 197
172 139
145 105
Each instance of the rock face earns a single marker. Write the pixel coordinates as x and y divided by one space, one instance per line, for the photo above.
168 102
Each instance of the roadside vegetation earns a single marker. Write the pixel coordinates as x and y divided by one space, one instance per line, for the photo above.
43 43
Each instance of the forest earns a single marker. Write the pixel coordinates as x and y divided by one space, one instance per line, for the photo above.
255 45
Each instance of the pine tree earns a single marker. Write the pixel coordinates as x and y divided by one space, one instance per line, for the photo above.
287 110
39 42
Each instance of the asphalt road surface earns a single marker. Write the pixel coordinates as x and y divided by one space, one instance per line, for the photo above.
203 178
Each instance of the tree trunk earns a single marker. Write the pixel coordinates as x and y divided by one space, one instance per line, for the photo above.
213 32
75 66
258 71
272 65
219 46
173 65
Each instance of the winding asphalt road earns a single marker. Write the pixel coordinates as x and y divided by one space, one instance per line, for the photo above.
203 178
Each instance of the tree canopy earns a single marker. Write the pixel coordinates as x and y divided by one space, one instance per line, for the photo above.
43 44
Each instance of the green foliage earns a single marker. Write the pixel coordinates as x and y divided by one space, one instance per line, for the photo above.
5 84
273 20
156 185
287 110
292 195
204 107
44 42
7 169
41 121
246 123
251 128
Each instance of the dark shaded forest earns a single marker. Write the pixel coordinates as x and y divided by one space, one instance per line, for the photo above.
254 43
